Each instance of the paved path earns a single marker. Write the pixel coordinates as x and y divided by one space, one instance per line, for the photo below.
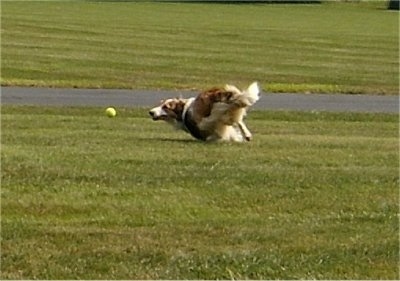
148 98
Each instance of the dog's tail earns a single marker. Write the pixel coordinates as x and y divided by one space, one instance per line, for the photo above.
247 97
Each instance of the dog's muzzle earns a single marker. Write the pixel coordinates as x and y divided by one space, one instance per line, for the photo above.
155 116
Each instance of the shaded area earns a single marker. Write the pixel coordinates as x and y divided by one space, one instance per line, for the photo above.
394 5
245 1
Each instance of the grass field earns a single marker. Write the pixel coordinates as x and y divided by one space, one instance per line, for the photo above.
332 47
315 195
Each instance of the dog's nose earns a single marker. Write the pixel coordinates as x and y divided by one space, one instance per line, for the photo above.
151 113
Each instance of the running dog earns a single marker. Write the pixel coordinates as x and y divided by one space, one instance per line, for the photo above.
214 115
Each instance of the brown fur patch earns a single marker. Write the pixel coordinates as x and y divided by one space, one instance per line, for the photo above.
203 103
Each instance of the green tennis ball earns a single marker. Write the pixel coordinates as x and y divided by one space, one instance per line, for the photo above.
111 112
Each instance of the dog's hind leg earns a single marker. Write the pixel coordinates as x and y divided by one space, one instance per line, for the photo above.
244 130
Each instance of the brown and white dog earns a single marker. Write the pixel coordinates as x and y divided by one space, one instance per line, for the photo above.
216 114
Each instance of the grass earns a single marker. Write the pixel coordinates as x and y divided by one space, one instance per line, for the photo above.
331 47
315 195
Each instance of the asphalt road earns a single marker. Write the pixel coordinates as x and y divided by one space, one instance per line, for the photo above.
148 98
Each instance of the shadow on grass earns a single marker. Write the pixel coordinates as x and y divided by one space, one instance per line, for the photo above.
163 139
220 1
243 1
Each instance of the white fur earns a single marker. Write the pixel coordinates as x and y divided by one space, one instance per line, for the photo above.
230 127
225 121
251 95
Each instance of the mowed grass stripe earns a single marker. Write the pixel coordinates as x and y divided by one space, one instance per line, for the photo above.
315 195
159 45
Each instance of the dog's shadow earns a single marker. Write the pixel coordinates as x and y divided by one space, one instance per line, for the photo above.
170 140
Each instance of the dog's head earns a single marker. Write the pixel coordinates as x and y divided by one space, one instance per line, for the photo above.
169 110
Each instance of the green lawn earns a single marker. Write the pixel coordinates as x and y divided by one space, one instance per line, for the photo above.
331 47
83 196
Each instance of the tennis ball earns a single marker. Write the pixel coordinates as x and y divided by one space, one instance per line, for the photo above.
111 112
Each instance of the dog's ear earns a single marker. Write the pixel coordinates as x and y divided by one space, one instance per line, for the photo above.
179 106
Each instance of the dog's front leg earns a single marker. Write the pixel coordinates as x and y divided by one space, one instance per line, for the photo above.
245 131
